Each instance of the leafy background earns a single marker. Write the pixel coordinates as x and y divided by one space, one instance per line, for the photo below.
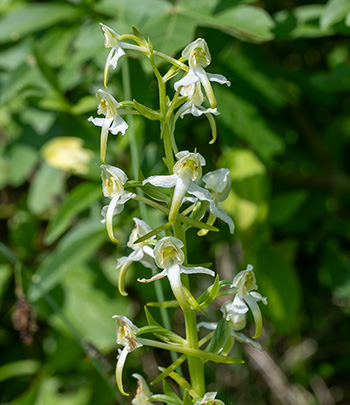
284 132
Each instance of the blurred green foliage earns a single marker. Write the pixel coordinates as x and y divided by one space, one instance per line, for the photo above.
284 133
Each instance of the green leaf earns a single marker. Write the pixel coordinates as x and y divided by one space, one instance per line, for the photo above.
246 22
300 22
187 398
159 331
164 304
219 338
79 199
247 202
90 309
210 294
19 368
155 193
47 186
285 205
75 248
248 123
164 374
146 111
23 159
277 280
29 18
154 232
5 276
334 12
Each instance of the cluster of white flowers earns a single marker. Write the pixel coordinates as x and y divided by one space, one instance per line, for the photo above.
167 252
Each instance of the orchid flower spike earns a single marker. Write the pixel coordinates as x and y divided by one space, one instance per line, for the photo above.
186 170
246 298
198 56
113 180
218 182
126 336
143 393
169 256
141 252
209 399
112 40
113 122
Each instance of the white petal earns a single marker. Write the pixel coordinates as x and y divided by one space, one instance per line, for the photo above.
118 125
156 277
97 121
207 325
220 213
195 270
258 297
238 307
109 217
199 192
188 79
162 181
114 56
218 79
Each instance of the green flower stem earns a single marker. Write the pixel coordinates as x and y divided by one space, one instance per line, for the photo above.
171 60
201 354
135 167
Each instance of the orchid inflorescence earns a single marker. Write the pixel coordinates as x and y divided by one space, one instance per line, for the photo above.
189 197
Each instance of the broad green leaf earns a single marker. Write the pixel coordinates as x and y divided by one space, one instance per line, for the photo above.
285 205
75 248
246 203
19 368
45 189
79 199
278 281
22 159
300 22
334 12
89 308
29 18
40 120
246 22
246 122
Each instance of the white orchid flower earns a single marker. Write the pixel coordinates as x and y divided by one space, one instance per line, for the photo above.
169 256
143 393
236 323
193 106
246 298
113 180
209 399
186 170
126 336
113 122
112 41
198 56
142 252
218 182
